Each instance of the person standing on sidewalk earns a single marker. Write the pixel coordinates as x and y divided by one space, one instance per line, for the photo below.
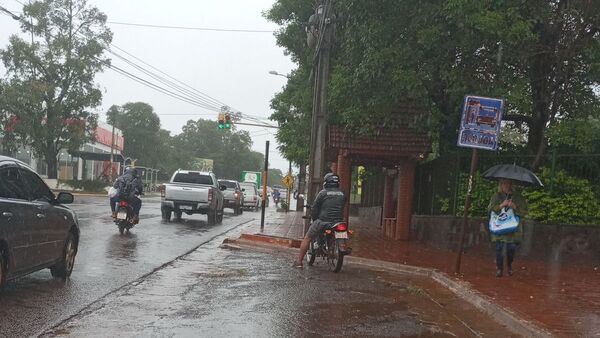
506 197
328 208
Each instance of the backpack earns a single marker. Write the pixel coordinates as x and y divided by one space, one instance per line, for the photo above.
126 189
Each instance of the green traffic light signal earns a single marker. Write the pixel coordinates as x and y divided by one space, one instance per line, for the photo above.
227 125
221 125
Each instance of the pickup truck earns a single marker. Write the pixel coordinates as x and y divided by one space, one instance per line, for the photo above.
192 192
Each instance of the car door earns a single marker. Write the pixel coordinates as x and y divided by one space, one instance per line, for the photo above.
16 219
50 220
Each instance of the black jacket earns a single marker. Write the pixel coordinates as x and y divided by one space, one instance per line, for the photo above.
329 205
125 180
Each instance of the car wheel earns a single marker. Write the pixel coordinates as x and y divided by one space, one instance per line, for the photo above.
220 217
64 267
178 215
211 217
166 214
3 272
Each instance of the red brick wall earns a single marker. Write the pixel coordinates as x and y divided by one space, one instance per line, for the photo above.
405 199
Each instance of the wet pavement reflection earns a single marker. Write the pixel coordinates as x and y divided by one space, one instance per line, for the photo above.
106 261
218 292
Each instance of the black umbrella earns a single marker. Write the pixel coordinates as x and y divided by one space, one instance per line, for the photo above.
513 172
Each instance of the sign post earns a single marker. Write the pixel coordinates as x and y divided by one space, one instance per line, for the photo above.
288 182
479 129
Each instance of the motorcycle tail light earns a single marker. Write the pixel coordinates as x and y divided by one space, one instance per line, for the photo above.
123 204
328 232
341 227
350 232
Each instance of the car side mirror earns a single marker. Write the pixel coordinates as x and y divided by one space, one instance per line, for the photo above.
243 189
65 198
223 188
301 196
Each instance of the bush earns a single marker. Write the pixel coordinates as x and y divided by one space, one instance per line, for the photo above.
283 204
93 186
571 200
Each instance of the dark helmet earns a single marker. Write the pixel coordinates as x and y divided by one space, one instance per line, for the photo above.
331 181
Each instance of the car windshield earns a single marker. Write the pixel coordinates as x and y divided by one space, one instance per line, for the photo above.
194 178
228 184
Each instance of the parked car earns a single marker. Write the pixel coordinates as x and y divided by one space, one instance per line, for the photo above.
36 230
251 196
233 196
192 192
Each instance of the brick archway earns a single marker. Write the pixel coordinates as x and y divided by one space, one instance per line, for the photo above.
399 149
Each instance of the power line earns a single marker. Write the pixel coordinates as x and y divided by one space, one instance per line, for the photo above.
191 28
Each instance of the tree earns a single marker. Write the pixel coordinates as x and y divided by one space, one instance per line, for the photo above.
275 177
50 85
144 139
542 56
229 149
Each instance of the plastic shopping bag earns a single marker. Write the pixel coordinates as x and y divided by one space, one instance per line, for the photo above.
112 192
505 222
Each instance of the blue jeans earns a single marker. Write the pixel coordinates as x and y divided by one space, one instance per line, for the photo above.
510 254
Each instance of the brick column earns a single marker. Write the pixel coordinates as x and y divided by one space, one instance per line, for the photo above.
344 171
405 199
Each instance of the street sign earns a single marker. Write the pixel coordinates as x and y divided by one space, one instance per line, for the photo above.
252 176
480 123
288 181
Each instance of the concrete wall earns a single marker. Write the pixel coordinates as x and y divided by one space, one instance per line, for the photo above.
552 242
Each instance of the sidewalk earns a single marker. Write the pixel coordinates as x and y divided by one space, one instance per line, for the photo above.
564 299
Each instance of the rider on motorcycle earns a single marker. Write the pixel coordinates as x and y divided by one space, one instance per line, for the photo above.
327 208
129 187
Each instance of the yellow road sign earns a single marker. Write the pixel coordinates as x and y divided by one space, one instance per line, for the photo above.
288 181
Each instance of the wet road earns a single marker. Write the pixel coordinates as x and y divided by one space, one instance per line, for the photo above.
217 292
106 261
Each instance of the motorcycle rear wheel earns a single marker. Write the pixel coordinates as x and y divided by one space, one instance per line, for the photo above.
311 254
335 258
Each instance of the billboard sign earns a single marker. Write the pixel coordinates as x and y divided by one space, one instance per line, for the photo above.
480 122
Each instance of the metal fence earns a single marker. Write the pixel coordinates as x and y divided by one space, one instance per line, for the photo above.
440 182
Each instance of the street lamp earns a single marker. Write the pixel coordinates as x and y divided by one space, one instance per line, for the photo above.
272 72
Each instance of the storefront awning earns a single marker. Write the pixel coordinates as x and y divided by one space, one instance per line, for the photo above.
87 155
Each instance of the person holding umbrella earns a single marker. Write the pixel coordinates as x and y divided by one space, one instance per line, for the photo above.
508 198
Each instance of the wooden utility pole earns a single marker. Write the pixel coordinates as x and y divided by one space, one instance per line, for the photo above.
318 139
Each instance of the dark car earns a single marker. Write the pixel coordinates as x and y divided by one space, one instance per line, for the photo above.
36 230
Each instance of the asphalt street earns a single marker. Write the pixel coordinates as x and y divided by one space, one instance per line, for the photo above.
106 262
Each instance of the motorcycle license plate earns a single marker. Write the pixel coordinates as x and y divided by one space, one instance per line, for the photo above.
341 235
185 207
122 215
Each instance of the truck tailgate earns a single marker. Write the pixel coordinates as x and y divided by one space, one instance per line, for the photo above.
188 193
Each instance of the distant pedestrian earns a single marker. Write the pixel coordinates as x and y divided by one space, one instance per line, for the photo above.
507 197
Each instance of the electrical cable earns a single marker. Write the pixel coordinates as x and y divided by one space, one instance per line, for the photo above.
190 28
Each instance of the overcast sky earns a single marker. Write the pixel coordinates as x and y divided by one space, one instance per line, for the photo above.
232 67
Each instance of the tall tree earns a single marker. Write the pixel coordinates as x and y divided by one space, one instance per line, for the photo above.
142 132
50 83
542 56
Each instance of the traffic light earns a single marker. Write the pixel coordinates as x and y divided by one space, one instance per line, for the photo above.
221 121
227 121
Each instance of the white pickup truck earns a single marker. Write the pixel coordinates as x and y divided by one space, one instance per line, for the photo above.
192 192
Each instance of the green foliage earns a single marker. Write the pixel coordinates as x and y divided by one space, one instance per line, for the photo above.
569 201
50 85
389 52
283 204
92 186
275 177
482 192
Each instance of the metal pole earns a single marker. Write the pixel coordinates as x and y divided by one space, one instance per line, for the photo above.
289 188
467 207
301 187
318 139
264 187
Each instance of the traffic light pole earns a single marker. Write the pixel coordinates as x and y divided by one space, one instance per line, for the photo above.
264 188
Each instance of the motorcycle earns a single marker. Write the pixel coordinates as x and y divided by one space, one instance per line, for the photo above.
331 245
125 215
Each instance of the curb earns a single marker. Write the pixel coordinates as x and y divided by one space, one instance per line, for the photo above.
460 288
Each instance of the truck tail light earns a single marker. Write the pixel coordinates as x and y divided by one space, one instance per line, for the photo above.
210 194
162 189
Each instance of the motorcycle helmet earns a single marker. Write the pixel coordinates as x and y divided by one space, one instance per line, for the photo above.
331 181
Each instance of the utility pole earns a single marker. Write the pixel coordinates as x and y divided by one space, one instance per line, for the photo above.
264 188
112 152
321 30
301 187
289 188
